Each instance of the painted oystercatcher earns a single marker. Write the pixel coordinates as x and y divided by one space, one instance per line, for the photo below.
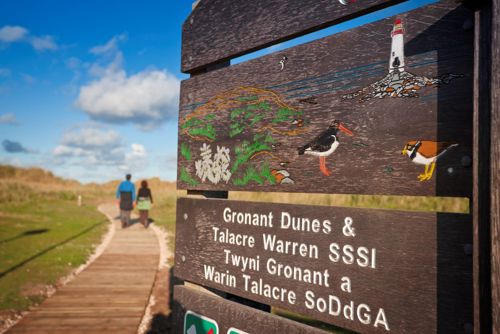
426 152
325 144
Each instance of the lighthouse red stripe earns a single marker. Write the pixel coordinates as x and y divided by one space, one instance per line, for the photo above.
397 32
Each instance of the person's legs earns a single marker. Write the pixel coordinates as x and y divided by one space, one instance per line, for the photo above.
146 218
143 217
127 215
123 218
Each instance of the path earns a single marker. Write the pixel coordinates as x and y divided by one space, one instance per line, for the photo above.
110 295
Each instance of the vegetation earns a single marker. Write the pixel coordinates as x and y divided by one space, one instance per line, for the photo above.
287 115
200 127
252 174
409 203
244 152
44 234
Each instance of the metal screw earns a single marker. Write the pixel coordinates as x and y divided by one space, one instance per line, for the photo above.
468 249
450 170
466 161
185 216
191 21
183 258
190 58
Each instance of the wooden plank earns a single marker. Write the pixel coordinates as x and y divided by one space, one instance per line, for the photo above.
110 295
215 31
228 315
482 143
254 117
410 266
495 168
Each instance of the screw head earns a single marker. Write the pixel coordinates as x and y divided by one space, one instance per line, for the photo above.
466 161
185 216
450 170
183 258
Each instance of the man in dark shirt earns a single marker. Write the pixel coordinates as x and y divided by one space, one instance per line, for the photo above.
126 194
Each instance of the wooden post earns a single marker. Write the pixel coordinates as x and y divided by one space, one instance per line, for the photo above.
495 167
486 200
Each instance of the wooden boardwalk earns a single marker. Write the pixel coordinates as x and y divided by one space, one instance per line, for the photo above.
109 296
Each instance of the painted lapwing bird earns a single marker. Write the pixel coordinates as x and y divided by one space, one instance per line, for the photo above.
426 152
325 144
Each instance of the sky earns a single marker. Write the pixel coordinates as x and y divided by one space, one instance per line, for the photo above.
89 89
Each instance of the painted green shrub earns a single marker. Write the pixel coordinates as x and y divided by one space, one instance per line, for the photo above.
185 151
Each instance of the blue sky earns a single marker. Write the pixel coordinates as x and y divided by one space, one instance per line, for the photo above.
89 89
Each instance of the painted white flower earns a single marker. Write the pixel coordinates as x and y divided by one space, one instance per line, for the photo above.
213 167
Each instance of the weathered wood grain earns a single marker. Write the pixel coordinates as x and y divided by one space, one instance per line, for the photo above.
421 277
495 167
218 30
482 168
228 315
263 114
110 296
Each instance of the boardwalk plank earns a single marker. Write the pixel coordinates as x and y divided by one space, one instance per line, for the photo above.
109 296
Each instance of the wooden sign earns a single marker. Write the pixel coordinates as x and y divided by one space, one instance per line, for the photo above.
218 30
371 271
381 109
230 317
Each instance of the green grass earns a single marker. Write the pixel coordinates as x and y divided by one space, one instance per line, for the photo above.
163 213
41 241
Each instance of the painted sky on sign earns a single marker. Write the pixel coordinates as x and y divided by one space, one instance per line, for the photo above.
89 89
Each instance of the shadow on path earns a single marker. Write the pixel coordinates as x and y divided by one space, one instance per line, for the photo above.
25 234
48 249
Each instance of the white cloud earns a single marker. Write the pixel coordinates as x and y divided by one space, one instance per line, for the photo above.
93 147
109 46
4 72
146 98
135 159
91 138
9 34
43 43
9 118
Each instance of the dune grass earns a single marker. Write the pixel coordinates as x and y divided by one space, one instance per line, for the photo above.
406 203
44 234
41 241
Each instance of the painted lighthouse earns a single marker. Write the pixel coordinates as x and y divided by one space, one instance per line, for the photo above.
398 83
397 60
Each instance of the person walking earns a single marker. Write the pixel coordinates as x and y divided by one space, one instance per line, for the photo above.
144 202
126 196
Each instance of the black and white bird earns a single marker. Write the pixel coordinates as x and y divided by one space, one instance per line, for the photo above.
325 144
